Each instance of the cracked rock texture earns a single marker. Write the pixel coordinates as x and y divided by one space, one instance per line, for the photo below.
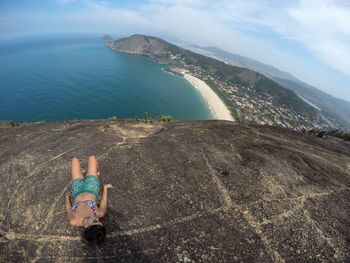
210 191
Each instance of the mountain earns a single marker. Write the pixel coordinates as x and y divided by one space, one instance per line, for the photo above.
335 109
250 95
245 62
143 45
204 191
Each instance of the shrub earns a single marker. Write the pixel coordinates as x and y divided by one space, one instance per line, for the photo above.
343 135
6 124
165 118
315 131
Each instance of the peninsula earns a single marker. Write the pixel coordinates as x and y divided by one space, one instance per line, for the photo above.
249 96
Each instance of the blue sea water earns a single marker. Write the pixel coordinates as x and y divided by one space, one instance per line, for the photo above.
76 77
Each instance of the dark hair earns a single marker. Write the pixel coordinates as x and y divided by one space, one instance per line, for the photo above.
95 233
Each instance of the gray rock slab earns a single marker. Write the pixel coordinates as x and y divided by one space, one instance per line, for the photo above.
206 191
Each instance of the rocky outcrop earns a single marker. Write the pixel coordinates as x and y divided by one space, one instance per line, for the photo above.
143 45
210 191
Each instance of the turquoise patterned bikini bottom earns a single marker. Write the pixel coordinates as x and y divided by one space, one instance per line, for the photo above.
90 184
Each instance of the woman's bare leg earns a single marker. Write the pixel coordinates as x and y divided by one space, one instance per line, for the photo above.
92 166
76 169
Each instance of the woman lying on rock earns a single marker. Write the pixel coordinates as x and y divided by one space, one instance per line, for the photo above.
83 211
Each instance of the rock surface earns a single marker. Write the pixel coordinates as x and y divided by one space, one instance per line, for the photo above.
209 191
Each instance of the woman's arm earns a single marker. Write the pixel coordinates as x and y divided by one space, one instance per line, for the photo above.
70 213
101 211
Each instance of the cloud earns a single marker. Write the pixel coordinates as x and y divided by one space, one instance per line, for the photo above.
322 26
272 31
268 30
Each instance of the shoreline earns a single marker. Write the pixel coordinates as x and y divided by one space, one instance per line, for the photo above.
216 105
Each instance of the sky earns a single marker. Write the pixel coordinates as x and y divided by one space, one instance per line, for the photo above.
308 38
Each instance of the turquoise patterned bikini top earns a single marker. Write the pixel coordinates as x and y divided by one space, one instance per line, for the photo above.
92 204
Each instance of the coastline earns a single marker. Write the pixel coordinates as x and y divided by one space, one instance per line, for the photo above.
216 105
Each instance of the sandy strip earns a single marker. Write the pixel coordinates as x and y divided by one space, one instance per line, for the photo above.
216 105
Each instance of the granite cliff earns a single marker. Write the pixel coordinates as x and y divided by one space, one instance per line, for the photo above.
210 191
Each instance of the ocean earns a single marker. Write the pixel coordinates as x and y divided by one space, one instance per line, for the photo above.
56 78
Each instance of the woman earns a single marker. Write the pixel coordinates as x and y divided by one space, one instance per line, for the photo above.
85 192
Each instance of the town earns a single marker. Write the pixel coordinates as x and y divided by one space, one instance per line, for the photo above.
249 106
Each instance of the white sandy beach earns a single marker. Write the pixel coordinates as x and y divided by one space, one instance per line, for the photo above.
216 105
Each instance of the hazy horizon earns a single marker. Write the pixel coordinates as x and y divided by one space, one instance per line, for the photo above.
309 39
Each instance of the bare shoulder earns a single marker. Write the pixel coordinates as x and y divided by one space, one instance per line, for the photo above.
75 221
100 212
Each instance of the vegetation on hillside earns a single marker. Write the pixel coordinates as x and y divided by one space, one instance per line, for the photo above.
345 135
6 124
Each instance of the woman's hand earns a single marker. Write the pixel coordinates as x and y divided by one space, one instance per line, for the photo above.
107 186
